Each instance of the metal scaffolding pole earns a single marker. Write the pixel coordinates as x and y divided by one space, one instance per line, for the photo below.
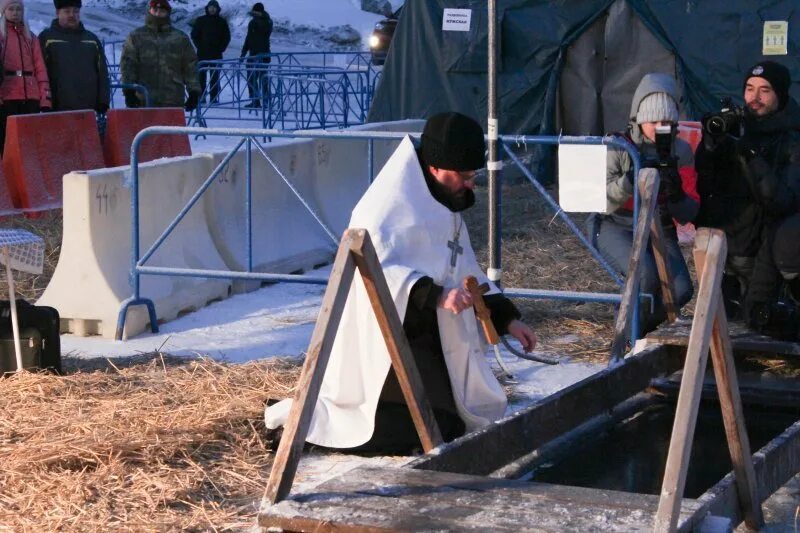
493 165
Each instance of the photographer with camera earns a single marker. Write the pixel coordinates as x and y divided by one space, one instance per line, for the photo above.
652 128
748 167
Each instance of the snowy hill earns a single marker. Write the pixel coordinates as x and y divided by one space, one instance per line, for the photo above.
300 25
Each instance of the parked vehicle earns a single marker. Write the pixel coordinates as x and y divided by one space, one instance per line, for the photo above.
381 37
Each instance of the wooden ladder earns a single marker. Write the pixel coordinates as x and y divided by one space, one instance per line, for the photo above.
709 330
356 252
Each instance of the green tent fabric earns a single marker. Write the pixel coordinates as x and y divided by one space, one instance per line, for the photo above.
711 44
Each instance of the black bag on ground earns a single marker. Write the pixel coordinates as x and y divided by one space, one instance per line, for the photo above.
33 320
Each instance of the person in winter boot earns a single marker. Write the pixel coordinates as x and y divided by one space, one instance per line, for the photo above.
749 182
76 61
256 43
211 36
25 87
655 103
161 58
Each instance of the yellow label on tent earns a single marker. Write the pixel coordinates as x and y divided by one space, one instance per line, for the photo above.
776 38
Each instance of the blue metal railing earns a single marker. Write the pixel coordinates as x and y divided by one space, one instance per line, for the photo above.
294 90
249 138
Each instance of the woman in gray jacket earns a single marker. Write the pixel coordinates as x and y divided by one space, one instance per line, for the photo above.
655 103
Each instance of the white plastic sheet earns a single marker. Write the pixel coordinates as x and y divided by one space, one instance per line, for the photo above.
582 178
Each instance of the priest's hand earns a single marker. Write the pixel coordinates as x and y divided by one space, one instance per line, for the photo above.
524 334
455 300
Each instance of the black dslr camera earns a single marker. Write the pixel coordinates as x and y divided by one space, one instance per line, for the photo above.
664 157
729 120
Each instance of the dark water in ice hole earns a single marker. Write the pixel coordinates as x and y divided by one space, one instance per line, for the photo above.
631 456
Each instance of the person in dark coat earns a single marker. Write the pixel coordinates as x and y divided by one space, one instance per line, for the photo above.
256 43
211 36
76 62
773 297
749 183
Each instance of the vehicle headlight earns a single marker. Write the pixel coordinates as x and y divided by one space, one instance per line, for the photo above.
374 41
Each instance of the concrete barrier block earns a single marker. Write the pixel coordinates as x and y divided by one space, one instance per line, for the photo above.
330 174
91 278
286 238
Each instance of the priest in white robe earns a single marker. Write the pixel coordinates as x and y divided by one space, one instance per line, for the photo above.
412 212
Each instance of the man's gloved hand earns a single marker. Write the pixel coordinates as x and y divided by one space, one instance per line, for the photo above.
45 109
131 98
191 101
748 148
101 108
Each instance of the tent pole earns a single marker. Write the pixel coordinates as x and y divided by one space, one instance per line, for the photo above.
493 165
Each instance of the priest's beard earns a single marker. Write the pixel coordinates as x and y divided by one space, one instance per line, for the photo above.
454 201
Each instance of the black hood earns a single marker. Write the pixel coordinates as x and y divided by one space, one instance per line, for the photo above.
786 119
213 3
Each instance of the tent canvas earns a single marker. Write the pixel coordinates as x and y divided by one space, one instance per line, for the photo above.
572 67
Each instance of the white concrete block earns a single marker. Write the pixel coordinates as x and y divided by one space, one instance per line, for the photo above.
91 278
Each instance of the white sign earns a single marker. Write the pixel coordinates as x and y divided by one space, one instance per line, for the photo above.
776 38
456 19
582 178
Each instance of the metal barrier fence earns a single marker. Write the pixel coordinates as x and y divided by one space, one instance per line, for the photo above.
294 90
249 140
284 96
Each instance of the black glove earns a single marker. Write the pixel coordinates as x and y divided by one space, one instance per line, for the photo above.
748 148
45 109
131 98
101 108
191 101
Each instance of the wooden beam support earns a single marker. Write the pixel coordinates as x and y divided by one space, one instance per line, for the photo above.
732 412
648 179
713 252
355 251
296 428
664 274
399 350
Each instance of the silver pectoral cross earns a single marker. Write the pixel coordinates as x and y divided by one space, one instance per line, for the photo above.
455 250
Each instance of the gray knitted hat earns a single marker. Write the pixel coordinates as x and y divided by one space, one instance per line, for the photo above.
657 107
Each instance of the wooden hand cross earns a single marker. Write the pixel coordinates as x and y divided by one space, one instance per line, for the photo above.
481 311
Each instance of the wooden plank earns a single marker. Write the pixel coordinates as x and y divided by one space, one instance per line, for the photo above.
753 389
774 465
413 500
662 265
648 200
710 248
506 440
742 338
391 327
733 418
319 349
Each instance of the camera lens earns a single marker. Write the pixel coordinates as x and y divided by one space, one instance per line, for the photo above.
716 125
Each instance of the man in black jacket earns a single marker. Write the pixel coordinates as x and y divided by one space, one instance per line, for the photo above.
748 183
76 62
211 36
256 43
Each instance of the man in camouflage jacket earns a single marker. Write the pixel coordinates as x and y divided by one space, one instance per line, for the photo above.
162 59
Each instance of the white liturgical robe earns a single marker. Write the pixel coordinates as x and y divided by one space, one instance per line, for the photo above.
414 236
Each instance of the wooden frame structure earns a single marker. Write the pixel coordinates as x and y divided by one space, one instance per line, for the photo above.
648 228
456 491
356 252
